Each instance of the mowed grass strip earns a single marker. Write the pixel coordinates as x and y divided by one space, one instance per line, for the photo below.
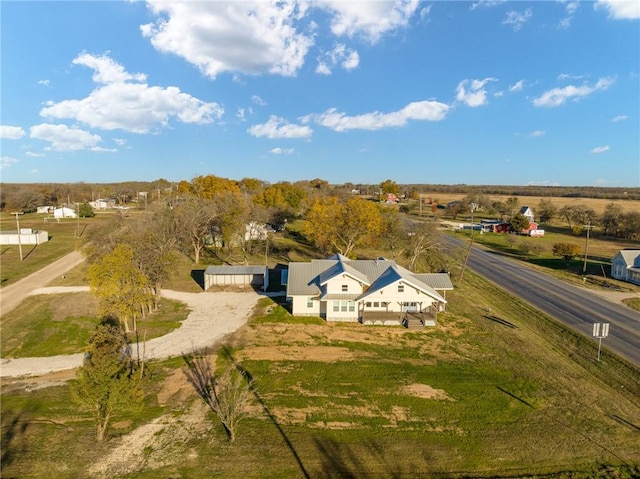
48 325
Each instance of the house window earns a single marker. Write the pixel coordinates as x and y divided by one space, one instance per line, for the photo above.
343 306
309 302
368 304
376 304
336 306
401 288
345 287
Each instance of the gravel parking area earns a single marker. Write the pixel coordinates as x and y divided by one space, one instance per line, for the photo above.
213 316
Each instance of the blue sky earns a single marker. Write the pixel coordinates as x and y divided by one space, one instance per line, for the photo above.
483 92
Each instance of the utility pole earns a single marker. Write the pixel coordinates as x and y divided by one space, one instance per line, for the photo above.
77 220
586 247
18 213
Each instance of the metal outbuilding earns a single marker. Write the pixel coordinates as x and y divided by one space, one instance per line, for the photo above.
242 276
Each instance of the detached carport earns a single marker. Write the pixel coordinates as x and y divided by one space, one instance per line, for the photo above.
241 276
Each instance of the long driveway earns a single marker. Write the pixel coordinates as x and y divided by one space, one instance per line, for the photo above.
576 307
13 294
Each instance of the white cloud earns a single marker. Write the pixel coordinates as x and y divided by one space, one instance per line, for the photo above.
517 86
32 154
277 128
11 132
106 70
340 55
63 138
517 19
424 13
371 19
44 82
486 3
258 101
421 110
600 149
618 118
250 36
537 133
475 95
620 9
567 76
120 141
136 107
558 96
571 8
282 151
7 161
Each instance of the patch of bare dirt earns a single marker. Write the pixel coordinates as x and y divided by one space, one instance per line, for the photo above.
34 383
153 445
426 392
297 353
175 387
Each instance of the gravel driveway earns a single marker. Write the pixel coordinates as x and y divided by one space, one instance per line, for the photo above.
212 317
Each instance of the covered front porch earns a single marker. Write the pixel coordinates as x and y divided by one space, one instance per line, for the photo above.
408 319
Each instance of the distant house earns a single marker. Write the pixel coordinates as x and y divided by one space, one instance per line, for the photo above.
494 226
25 236
391 198
64 212
44 209
241 276
366 291
527 213
103 203
625 266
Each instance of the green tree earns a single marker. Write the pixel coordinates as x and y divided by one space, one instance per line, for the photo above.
511 206
630 228
85 210
121 288
566 250
106 384
519 223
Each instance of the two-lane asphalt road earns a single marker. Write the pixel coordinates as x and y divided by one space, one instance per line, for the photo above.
576 307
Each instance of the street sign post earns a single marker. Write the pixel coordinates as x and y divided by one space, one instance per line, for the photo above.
600 331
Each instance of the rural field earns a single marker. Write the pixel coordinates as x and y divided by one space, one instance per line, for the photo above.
496 390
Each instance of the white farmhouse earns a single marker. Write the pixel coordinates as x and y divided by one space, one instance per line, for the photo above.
625 266
64 212
367 291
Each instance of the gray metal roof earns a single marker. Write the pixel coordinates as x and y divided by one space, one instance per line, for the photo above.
438 281
305 277
232 270
630 256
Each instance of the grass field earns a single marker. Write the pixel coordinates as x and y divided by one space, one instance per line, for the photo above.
495 390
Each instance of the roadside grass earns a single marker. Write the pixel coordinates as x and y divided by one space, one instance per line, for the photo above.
48 325
633 303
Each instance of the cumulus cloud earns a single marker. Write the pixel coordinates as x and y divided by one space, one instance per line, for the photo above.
517 19
120 103
599 149
347 58
472 92
277 127
371 20
63 138
618 118
620 9
282 151
33 154
421 110
7 161
11 132
559 96
517 86
250 36
44 82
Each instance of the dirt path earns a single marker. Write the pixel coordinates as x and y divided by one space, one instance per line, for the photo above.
212 316
12 295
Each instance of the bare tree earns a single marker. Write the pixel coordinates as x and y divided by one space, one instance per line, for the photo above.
227 394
